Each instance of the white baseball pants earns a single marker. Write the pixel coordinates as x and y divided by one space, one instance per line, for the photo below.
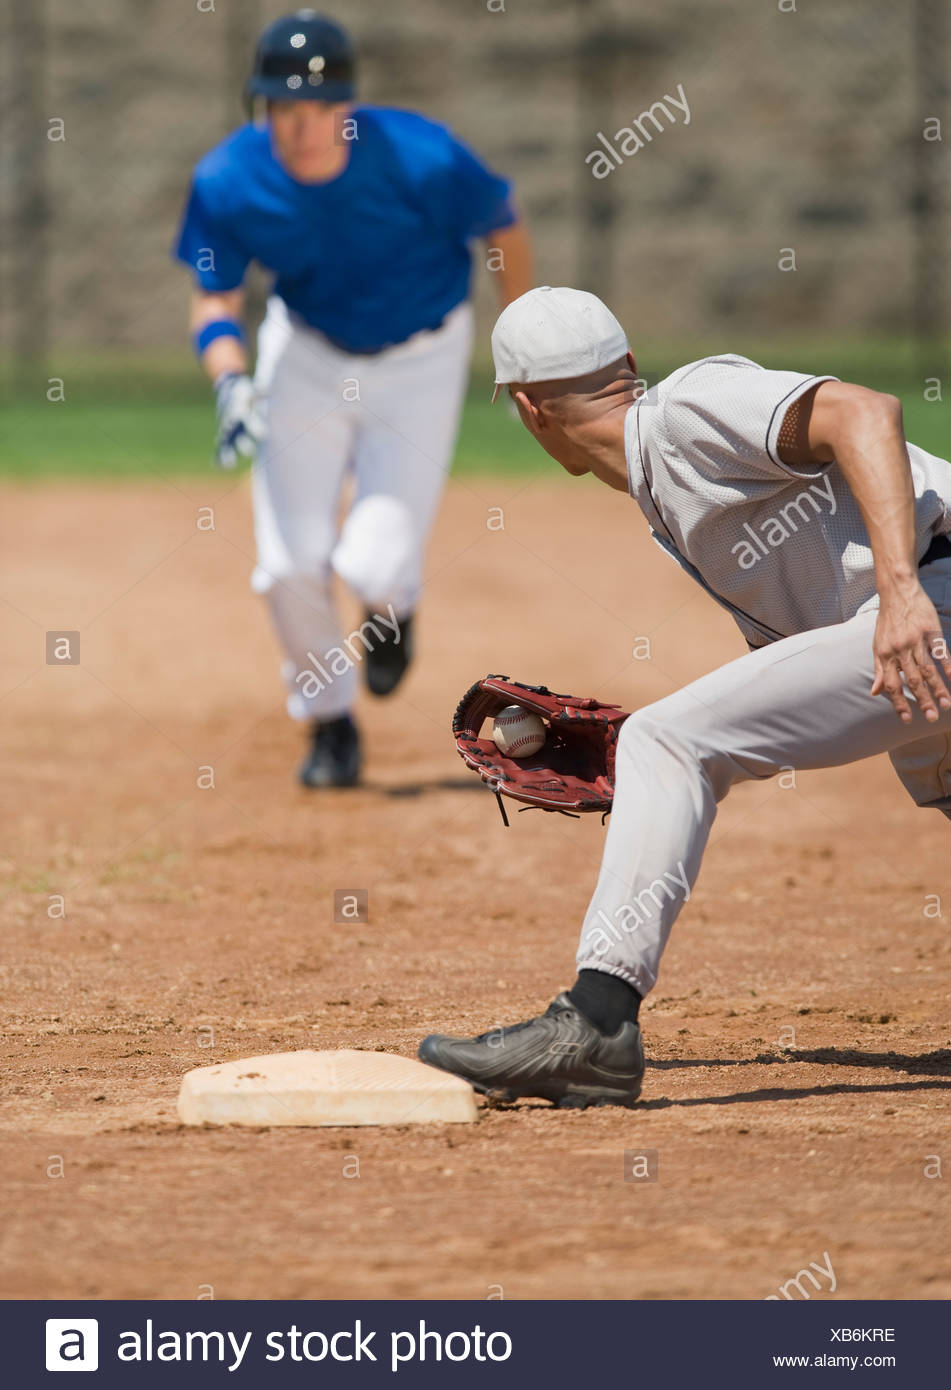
388 423
797 704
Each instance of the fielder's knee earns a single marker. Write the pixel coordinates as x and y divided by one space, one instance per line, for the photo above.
648 729
654 735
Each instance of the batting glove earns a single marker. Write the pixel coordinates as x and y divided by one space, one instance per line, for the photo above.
241 424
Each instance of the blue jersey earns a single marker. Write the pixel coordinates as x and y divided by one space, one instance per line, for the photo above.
368 258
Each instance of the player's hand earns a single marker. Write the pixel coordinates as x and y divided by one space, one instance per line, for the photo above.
241 423
909 643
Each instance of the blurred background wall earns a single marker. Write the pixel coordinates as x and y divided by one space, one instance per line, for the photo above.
808 134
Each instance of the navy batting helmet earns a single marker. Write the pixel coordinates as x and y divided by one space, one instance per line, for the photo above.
304 55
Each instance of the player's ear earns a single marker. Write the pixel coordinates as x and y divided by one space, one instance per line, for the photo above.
531 415
630 361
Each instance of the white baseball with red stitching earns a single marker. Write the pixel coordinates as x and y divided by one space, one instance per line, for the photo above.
517 732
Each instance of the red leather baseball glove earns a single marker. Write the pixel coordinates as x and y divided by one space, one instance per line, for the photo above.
572 772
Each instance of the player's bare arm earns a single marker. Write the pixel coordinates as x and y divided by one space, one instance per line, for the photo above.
227 353
514 273
861 432
216 320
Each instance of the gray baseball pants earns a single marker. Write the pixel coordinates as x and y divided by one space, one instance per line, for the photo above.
799 703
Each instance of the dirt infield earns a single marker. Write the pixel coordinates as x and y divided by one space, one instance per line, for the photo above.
797 1100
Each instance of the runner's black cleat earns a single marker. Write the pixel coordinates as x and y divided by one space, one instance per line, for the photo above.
385 665
334 757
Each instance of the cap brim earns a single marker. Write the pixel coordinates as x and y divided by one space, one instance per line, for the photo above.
495 393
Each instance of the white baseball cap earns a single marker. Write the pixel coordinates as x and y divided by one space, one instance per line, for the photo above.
554 335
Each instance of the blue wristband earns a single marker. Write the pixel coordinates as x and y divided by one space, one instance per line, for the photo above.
218 328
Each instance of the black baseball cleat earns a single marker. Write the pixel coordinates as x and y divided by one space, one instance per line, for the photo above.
334 757
386 662
560 1057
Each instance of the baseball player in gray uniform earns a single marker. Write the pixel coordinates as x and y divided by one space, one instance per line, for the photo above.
798 504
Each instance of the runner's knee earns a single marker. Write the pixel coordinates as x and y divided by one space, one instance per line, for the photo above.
378 551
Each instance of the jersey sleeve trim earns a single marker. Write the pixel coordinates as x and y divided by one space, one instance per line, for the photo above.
776 423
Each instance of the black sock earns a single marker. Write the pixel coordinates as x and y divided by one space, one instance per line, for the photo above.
605 1000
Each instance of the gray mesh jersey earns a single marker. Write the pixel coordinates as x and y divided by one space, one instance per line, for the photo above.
784 549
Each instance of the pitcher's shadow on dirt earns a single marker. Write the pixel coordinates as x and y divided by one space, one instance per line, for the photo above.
936 1066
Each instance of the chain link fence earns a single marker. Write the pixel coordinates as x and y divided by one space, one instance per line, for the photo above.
753 170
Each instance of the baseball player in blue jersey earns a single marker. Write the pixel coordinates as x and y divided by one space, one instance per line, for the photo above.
797 503
365 216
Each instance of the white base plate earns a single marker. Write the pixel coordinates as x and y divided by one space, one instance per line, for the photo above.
324 1088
